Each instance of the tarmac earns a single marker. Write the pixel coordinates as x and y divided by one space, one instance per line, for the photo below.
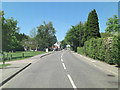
16 67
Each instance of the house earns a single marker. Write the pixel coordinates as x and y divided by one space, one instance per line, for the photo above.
56 46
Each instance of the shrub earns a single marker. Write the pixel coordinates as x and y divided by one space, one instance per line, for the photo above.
80 50
115 50
104 49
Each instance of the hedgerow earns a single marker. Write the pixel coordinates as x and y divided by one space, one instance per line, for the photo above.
104 49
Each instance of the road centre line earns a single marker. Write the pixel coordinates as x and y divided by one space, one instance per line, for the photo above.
62 60
69 77
64 66
71 81
62 55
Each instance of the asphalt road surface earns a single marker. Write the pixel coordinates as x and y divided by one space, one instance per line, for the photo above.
62 70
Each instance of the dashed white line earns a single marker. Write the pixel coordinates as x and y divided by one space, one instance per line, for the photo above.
73 85
63 65
62 55
62 60
69 77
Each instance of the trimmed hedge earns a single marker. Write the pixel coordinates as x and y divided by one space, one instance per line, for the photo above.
104 49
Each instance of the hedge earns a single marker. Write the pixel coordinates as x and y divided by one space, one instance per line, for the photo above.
104 49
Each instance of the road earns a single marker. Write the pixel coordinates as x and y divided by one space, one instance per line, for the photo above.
62 70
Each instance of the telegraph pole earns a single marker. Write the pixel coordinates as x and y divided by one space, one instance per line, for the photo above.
80 35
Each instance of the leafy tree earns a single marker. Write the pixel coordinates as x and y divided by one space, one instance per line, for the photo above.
113 24
46 35
106 34
73 36
63 44
21 36
11 38
92 29
9 28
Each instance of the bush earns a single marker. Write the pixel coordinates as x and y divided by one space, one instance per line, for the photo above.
116 51
104 49
80 50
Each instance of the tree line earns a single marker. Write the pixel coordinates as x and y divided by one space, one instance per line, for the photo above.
102 46
13 40
89 29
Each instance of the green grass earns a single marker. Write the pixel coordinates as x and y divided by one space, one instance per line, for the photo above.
18 55
4 65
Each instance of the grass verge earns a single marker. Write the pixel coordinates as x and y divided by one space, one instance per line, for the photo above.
19 55
4 65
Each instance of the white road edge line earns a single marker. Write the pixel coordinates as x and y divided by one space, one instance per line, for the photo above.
73 85
63 65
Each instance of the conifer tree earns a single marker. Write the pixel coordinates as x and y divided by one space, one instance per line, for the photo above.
92 28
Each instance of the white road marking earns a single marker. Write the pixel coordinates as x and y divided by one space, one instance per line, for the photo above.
62 55
71 81
63 65
69 77
62 60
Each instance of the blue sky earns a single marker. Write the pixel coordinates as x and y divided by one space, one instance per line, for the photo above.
62 14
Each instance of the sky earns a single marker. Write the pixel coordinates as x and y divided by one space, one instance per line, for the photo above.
61 14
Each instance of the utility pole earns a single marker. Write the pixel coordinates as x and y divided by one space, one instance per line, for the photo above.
80 35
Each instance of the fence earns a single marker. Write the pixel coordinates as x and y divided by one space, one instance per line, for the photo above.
5 57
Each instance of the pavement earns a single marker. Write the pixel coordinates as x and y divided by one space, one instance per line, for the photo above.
66 69
15 67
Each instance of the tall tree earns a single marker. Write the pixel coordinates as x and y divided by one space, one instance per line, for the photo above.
92 30
113 24
9 28
46 35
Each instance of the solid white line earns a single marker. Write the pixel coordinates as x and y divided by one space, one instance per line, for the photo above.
63 65
73 85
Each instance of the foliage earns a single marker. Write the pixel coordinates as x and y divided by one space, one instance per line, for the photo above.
46 35
92 28
104 49
113 24
72 36
106 34
11 38
116 49
9 28
80 50
63 44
